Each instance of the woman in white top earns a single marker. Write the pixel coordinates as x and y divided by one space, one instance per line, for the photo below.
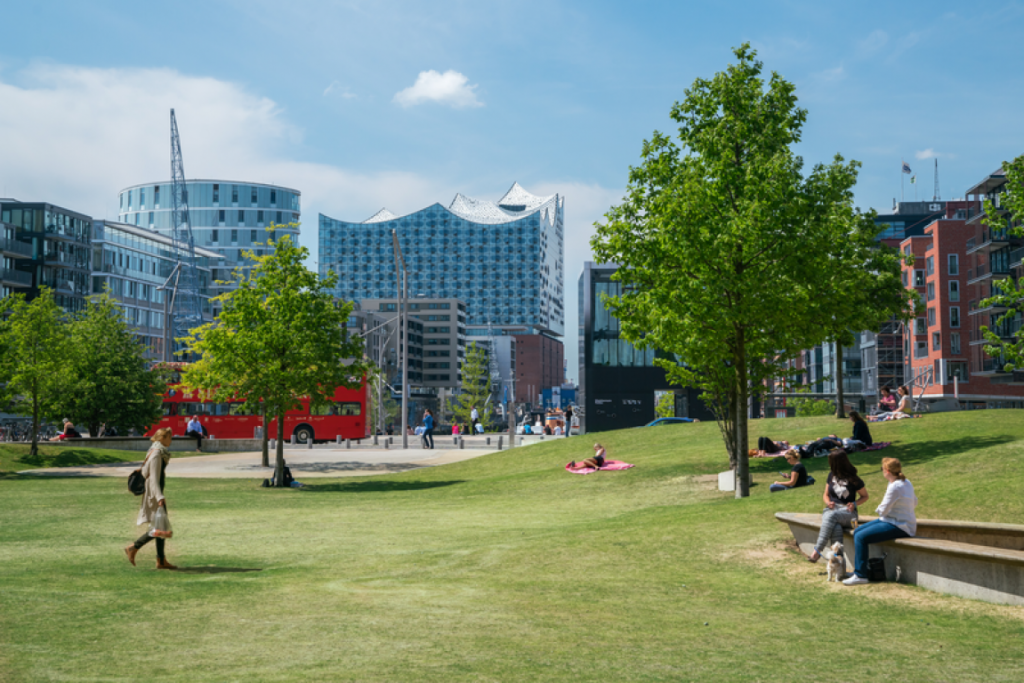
902 410
896 519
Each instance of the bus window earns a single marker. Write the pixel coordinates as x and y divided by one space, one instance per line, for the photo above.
350 409
326 409
170 409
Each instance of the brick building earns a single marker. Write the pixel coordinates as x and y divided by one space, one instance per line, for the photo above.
539 365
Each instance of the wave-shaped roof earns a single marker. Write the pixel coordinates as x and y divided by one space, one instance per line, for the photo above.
517 203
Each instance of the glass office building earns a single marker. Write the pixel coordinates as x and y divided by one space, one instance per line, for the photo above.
227 217
504 259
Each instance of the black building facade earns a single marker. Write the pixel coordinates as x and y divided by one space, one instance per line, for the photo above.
617 380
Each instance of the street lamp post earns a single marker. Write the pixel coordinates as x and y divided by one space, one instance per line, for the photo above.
402 283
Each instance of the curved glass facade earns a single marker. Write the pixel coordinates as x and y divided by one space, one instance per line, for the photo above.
504 260
227 217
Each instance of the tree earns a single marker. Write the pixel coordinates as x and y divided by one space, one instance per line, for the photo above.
280 336
34 343
108 379
666 406
715 240
383 408
1005 344
476 388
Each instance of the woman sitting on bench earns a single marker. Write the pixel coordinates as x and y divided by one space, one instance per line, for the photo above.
896 519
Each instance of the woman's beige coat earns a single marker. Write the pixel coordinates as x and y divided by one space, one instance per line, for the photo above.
156 458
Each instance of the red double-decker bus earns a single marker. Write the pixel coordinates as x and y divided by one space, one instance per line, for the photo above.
344 415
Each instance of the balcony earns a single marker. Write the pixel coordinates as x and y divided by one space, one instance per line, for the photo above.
989 238
15 248
15 278
1016 258
992 366
920 353
985 271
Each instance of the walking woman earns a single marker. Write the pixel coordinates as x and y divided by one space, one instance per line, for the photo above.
896 519
153 470
428 429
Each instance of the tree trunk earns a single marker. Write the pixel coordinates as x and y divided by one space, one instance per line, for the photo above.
34 448
742 442
840 398
266 437
279 465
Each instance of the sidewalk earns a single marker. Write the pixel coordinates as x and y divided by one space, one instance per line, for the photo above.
304 463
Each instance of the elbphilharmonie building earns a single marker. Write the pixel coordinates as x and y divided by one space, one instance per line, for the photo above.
504 259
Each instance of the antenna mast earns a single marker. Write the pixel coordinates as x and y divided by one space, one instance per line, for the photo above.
188 312
937 195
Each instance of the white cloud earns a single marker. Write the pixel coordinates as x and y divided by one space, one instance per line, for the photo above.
932 154
451 88
75 137
338 90
831 75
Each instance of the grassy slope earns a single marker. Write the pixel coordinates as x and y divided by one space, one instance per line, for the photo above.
15 457
504 568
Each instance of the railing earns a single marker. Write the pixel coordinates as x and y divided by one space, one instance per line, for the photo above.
20 277
993 365
1016 257
921 353
16 247
970 244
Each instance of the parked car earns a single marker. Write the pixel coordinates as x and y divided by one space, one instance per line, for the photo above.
669 421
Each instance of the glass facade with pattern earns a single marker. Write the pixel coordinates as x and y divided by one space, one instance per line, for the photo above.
504 259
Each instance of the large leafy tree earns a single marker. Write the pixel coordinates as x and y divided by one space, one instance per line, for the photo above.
108 379
476 388
34 356
718 239
280 336
1006 343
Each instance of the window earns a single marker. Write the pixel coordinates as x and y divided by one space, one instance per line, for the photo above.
954 290
905 278
278 221
273 198
220 216
241 216
954 264
929 264
142 198
906 250
151 219
921 349
253 199
216 193
931 316
156 196
234 236
954 316
931 291
936 341
956 368
252 236
214 237
919 278
954 343
234 194
259 217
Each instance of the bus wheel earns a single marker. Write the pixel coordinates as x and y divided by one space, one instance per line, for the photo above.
303 433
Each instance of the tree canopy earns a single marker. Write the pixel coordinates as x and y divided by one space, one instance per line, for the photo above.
280 336
721 240
476 388
1005 342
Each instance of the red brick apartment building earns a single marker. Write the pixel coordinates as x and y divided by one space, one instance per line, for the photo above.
539 365
955 264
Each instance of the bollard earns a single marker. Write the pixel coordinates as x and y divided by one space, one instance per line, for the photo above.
387 444
488 441
455 441
273 444
462 443
500 439
338 439
392 440
541 437
309 444
348 443
293 439
374 439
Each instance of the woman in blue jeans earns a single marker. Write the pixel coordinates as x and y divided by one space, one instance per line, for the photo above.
428 429
896 519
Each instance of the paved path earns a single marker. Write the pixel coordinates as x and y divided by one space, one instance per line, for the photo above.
304 463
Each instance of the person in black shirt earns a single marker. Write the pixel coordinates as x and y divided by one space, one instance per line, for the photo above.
844 492
797 477
860 429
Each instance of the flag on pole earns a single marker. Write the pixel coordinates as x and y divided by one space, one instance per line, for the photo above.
913 179
906 168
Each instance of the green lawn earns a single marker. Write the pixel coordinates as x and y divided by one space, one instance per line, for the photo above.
504 568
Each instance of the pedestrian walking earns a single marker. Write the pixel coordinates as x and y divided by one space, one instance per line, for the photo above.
428 429
568 421
153 502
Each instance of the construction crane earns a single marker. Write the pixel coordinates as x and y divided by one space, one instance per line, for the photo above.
185 303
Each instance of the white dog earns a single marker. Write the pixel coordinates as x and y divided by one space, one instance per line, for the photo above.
836 562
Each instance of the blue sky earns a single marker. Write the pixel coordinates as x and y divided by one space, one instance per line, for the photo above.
557 95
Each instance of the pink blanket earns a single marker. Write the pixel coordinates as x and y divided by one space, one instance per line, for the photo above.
877 446
608 465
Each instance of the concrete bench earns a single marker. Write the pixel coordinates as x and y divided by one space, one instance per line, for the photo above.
967 559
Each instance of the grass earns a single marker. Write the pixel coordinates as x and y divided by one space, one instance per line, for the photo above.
504 568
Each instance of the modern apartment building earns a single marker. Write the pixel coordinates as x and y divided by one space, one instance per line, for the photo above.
227 217
503 259
132 263
46 245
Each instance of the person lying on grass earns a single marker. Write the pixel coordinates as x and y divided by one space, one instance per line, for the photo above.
596 462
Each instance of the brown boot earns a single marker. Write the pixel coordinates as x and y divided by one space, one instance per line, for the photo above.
164 564
130 551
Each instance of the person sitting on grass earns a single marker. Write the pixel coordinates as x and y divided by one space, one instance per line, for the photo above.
596 462
860 429
887 403
844 493
797 476
902 410
896 519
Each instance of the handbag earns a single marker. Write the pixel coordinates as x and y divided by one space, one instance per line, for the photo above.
137 482
876 568
161 525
